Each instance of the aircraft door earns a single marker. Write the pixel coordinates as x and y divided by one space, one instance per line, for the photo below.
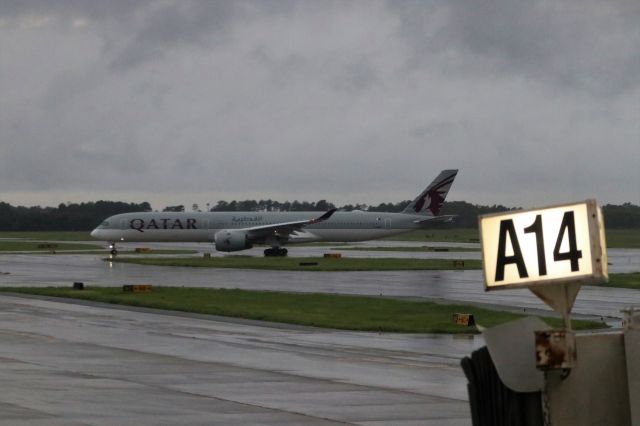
387 224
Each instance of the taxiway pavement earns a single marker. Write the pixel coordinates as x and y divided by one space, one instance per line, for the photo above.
88 364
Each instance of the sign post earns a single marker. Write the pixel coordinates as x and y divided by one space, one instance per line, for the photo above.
552 251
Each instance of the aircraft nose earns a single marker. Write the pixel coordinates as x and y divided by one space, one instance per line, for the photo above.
94 233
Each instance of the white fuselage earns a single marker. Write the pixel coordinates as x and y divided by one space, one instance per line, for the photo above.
201 227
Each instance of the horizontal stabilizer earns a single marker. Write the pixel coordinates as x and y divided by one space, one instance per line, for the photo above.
445 218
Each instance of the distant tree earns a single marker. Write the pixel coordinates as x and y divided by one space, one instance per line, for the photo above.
178 208
65 217
362 206
624 216
467 214
266 205
247 206
323 205
221 206
390 207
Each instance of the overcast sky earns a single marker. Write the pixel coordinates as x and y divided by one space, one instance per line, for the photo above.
181 102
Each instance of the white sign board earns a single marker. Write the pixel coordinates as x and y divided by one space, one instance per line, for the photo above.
550 245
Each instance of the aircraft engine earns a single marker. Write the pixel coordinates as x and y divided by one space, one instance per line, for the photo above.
228 240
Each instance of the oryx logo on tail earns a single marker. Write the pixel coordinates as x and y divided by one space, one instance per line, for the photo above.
431 200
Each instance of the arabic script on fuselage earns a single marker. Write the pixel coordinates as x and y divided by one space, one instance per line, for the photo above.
246 219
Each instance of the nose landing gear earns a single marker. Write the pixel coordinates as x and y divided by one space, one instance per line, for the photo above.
113 251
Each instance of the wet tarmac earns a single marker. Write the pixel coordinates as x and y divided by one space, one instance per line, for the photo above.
462 286
620 260
90 364
80 363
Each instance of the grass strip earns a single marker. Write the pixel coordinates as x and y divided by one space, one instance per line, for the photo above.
631 280
616 238
320 310
458 235
312 263
157 251
409 249
48 235
44 246
623 238
103 251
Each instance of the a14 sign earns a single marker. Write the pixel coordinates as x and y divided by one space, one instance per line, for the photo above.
541 246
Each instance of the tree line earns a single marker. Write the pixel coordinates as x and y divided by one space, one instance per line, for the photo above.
65 217
86 216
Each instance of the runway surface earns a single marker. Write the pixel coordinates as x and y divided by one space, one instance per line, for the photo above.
87 364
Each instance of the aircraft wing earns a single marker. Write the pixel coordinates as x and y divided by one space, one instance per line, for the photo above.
441 218
284 229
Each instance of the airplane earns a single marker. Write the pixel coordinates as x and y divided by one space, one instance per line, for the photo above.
235 231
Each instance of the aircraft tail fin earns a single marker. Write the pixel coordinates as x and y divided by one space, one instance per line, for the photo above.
431 200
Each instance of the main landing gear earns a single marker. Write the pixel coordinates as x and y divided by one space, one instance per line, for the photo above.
275 252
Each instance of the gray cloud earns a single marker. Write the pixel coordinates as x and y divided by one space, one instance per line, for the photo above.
174 25
584 46
194 101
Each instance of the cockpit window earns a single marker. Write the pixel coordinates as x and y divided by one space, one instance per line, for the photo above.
104 224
